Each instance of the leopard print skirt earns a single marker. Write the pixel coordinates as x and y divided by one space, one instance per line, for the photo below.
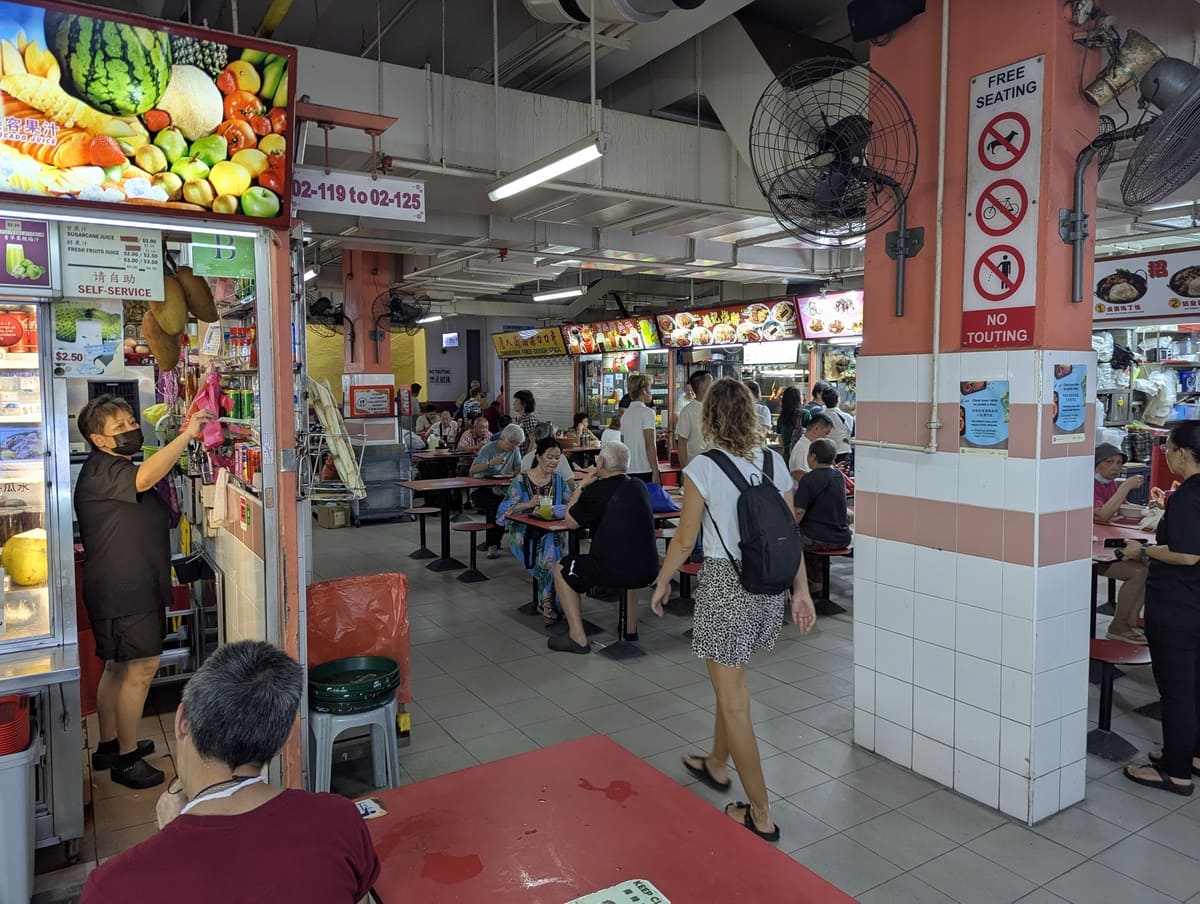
731 623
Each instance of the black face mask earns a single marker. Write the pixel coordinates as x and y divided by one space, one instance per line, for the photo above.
129 443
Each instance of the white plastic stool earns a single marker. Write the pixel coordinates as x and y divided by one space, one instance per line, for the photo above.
324 729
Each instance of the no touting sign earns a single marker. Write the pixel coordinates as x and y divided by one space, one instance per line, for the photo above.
1004 164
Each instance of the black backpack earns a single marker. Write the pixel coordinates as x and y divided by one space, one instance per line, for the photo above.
770 546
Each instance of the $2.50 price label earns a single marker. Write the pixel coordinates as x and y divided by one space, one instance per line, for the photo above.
358 194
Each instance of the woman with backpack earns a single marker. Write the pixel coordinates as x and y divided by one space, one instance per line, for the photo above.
741 492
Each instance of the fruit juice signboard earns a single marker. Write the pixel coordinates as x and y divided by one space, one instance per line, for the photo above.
757 321
27 249
103 109
630 334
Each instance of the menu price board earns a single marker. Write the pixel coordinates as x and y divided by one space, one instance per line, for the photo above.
545 342
27 257
831 316
111 262
1166 284
629 334
757 321
107 109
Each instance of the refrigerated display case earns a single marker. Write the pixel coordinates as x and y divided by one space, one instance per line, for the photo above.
605 381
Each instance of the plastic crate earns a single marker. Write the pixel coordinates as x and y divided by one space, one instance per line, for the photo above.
14 724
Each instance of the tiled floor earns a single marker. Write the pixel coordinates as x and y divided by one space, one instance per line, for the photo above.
485 687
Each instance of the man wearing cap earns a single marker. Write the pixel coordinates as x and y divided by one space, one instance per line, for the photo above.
1107 498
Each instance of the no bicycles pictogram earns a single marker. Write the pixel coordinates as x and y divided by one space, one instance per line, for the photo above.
1004 141
999 272
1001 207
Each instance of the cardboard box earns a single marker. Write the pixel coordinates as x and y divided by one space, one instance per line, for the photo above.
333 514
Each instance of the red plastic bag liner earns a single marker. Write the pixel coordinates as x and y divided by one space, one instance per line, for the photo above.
365 615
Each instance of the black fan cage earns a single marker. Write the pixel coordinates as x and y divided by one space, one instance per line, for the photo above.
833 147
1169 156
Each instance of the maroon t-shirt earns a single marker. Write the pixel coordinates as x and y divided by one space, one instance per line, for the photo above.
297 847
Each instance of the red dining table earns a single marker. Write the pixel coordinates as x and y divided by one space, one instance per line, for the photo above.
556 824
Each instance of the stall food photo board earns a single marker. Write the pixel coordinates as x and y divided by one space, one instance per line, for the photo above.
1165 285
835 315
755 321
627 334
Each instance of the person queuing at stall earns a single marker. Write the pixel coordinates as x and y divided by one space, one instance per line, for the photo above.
475 436
426 420
638 431
499 458
689 440
225 834
793 417
820 501
820 425
817 401
523 407
615 508
731 623
843 424
764 413
1108 495
539 486
125 528
579 434
1173 619
445 429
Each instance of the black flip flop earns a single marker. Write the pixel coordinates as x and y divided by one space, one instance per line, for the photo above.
748 822
703 774
1164 782
1155 758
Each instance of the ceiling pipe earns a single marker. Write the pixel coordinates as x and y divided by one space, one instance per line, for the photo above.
391 23
273 17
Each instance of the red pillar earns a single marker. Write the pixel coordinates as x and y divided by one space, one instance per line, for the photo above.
365 274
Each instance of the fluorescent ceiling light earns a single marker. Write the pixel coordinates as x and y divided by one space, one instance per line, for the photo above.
845 340
559 294
561 161
310 274
430 319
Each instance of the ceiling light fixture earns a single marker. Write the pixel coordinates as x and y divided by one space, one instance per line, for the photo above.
559 294
310 274
561 161
432 318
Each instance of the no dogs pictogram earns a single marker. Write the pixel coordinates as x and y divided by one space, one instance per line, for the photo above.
999 273
1004 141
1001 207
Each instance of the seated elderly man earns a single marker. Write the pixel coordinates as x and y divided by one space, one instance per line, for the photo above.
616 509
499 458
1107 498
820 501
819 426
225 834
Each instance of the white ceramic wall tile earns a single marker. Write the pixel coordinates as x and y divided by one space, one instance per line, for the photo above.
1016 695
933 716
937 478
865 549
983 366
1018 593
977 732
924 374
894 610
1077 642
1075 687
977 682
1047 696
981 480
948 376
867 371
894 655
1045 749
1054 474
1023 372
933 760
1072 780
1073 737
1014 747
1077 577
1081 481
1045 797
1020 484
977 779
894 700
977 632
864 595
981 582
1050 581
933 620
864 644
1050 638
894 742
935 573
1016 643
866 468
898 472
898 378
864 689
864 729
1014 795
933 668
895 564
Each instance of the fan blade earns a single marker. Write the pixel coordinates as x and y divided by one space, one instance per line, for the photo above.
1169 156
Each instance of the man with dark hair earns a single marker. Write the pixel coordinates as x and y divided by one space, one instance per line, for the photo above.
820 500
124 525
225 834
819 426
689 438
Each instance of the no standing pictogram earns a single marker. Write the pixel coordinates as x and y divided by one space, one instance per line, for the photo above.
999 273
1001 207
1004 141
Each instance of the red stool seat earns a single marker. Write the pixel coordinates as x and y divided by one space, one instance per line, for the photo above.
472 574
471 527
822 603
422 510
1103 741
829 552
692 568
1119 652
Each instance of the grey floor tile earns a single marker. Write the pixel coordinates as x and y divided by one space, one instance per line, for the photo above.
970 879
906 889
669 762
475 725
787 700
827 687
955 817
668 676
827 717
838 805
427 736
504 692
890 784
557 730
627 687
577 700
434 685
797 829
661 705
1080 831
789 671
1026 853
455 703
694 725
846 864
835 757
1118 807
432 763
1041 896
899 839
527 712
787 732
699 693
1095 883
497 746
647 740
612 717
1176 832
1116 779
787 775
1161 868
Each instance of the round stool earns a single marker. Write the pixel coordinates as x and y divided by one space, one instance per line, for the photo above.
422 512
324 729
472 575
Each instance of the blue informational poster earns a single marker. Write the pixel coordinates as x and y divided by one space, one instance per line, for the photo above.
1069 403
983 417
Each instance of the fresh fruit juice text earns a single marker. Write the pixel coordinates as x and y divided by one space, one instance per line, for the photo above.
105 111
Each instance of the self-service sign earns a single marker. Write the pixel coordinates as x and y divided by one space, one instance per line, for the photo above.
1004 169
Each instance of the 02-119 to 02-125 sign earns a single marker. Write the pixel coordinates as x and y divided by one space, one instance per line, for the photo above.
358 193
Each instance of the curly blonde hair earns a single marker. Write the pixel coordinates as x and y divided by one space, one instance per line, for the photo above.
729 421
638 384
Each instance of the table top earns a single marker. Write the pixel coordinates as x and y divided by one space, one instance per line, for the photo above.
443 454
559 524
452 483
547 826
1117 529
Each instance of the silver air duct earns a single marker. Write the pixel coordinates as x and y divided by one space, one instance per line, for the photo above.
575 12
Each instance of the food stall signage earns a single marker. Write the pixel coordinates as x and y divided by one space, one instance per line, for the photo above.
229 256
111 262
757 321
112 110
1166 284
832 315
27 248
358 194
88 338
1004 169
629 334
546 342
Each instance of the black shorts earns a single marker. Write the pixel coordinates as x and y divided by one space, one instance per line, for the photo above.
130 637
582 572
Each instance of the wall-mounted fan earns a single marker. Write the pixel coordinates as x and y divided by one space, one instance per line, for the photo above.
834 150
397 311
327 319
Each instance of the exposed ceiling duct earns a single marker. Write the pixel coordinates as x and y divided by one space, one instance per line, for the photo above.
575 12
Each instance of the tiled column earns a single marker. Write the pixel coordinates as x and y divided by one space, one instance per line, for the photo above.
971 572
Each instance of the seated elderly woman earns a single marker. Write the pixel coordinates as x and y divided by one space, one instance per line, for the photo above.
580 434
226 835
541 483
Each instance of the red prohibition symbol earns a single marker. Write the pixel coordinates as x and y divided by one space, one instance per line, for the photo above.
1001 265
1004 141
1001 207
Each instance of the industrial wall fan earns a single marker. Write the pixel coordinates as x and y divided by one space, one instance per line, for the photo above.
834 151
397 311
327 319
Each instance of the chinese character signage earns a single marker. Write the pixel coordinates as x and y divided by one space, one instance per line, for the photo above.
88 339
832 315
111 262
110 109
983 417
1151 285
27 249
546 342
630 334
758 321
